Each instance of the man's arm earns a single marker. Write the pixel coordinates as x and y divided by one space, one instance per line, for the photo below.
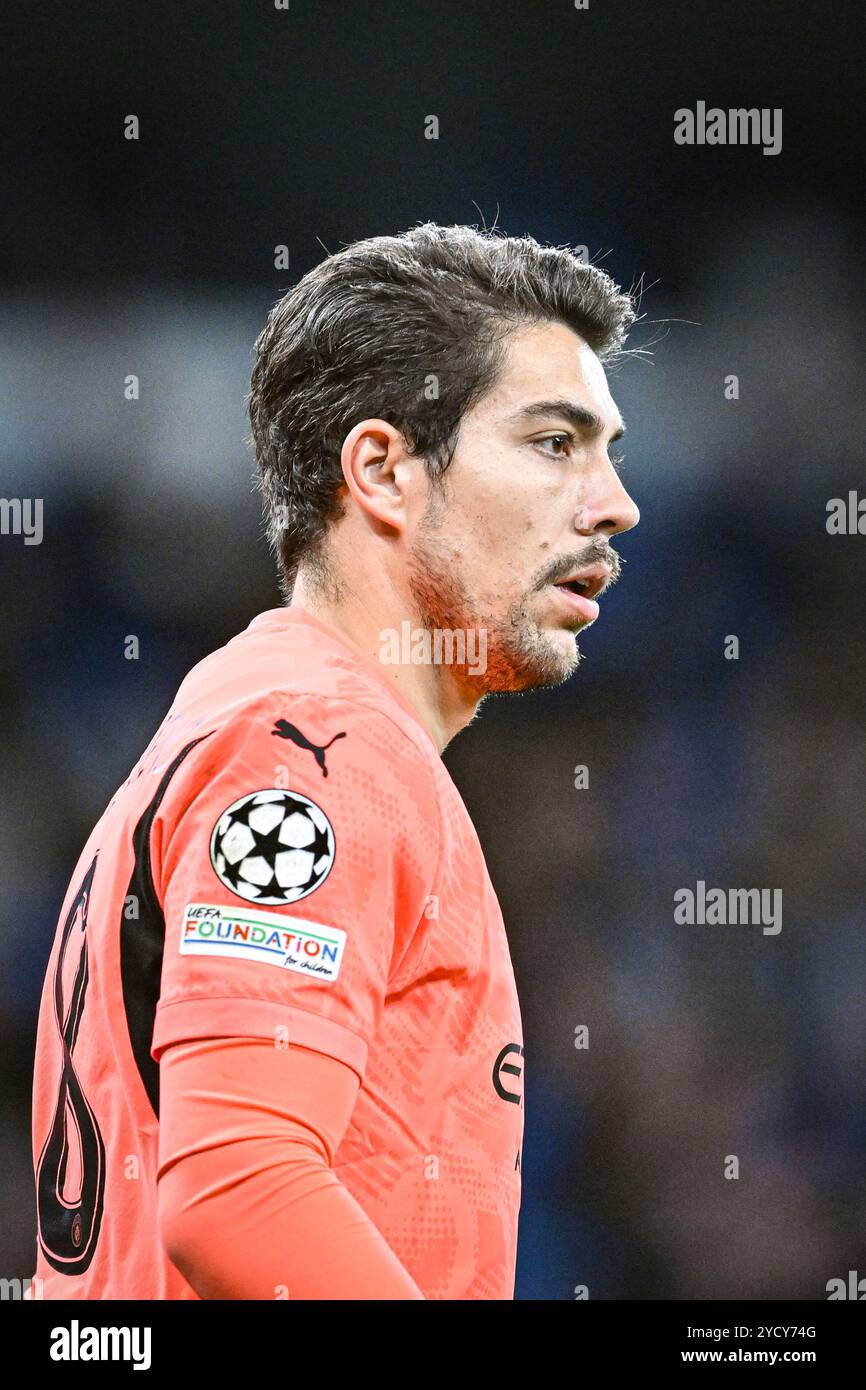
248 1204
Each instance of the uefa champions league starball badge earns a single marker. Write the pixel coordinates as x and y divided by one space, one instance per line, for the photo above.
272 847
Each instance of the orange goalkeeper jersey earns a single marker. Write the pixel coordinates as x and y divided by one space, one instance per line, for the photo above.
290 860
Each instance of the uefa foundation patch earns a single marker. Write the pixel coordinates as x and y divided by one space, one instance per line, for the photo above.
292 943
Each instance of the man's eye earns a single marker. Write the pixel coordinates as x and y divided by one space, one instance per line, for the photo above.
618 461
552 438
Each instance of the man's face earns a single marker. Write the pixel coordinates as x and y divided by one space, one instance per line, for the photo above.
531 497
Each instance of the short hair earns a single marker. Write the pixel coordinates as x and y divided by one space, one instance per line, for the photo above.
365 333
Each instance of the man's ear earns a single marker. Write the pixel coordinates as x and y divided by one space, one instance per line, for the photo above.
374 460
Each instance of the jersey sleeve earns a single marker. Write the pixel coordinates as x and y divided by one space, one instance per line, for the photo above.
295 856
249 1206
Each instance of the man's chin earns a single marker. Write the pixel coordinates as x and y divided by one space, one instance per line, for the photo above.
565 658
548 660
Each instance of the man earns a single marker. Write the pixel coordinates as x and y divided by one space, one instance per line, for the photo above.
280 1051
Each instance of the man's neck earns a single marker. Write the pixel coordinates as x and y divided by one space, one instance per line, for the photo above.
444 705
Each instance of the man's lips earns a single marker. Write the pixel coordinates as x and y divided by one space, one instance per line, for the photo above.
578 603
580 588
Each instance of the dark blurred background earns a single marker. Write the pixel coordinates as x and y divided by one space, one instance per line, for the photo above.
305 127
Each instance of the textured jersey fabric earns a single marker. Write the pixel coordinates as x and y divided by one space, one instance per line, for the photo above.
288 860
248 1205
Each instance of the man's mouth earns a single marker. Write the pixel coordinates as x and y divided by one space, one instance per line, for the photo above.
575 596
579 590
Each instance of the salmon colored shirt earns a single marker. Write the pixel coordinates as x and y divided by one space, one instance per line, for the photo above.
289 862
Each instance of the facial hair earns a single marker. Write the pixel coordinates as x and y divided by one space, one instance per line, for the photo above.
519 654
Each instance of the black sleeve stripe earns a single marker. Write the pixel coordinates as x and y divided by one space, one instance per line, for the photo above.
142 941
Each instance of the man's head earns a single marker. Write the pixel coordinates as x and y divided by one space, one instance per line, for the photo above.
431 420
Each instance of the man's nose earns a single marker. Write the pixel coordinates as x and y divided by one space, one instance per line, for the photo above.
606 508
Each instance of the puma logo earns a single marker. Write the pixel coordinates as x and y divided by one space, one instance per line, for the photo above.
283 729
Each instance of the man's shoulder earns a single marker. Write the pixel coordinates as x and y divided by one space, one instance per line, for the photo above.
315 740
294 685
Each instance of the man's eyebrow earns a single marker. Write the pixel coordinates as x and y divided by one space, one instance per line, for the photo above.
577 415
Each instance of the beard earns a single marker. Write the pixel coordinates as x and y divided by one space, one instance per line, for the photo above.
520 655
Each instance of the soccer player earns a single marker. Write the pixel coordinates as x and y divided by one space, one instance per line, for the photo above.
280 1050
